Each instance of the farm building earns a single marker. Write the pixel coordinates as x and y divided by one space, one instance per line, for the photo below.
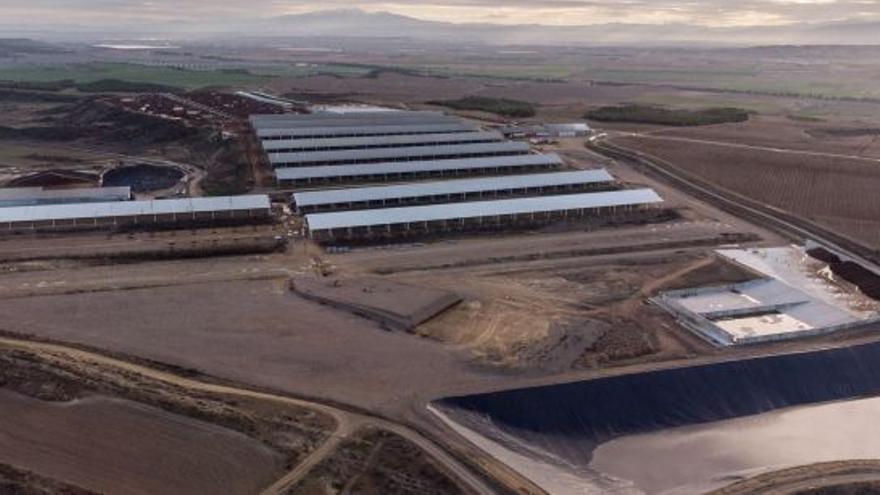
412 221
159 212
288 134
450 191
373 172
30 196
289 121
379 155
576 129
369 142
785 301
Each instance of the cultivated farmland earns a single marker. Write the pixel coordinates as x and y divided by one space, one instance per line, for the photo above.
838 193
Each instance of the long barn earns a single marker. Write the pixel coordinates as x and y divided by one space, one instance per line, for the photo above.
378 155
416 170
449 191
159 212
368 142
483 215
290 134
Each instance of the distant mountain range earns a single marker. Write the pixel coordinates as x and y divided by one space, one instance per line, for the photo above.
357 23
354 23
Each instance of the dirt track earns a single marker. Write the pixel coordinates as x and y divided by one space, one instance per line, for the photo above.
347 421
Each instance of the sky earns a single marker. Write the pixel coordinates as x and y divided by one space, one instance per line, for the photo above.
710 13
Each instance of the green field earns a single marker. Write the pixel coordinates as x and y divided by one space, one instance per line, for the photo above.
168 76
182 78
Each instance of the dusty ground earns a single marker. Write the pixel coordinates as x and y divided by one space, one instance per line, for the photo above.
824 170
376 463
391 304
111 445
64 418
21 482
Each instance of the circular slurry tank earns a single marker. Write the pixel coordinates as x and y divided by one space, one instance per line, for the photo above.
143 177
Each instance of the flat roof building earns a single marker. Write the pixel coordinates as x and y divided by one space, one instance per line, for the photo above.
378 155
413 170
449 191
426 220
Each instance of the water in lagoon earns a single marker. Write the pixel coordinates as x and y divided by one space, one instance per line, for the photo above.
569 421
693 459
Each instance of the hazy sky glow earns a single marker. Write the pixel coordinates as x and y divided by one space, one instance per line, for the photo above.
716 13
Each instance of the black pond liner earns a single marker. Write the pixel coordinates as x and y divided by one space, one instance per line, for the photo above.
143 177
571 419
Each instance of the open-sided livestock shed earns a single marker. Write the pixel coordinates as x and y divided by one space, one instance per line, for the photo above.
344 120
304 176
368 142
395 129
448 191
28 196
377 155
434 219
162 212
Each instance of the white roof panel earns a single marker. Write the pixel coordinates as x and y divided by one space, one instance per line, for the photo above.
132 208
281 159
361 130
453 211
377 141
356 170
458 186
38 196
344 120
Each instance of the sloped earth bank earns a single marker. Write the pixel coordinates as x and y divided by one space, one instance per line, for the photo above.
616 434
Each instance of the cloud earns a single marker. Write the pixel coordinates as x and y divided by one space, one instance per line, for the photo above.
552 12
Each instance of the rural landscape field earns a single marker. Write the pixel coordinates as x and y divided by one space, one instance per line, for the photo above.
439 248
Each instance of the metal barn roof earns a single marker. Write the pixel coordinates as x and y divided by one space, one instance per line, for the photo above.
379 141
398 153
382 114
372 130
458 186
132 208
346 120
454 211
303 173
37 195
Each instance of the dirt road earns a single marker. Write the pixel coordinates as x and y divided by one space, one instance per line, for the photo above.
347 422
794 480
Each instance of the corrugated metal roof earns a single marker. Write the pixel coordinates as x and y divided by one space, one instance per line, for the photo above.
132 208
38 195
303 173
345 120
372 130
453 211
458 186
382 114
377 141
340 156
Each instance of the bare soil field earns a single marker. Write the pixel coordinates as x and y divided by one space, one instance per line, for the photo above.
254 332
841 136
838 193
116 446
574 315
21 482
